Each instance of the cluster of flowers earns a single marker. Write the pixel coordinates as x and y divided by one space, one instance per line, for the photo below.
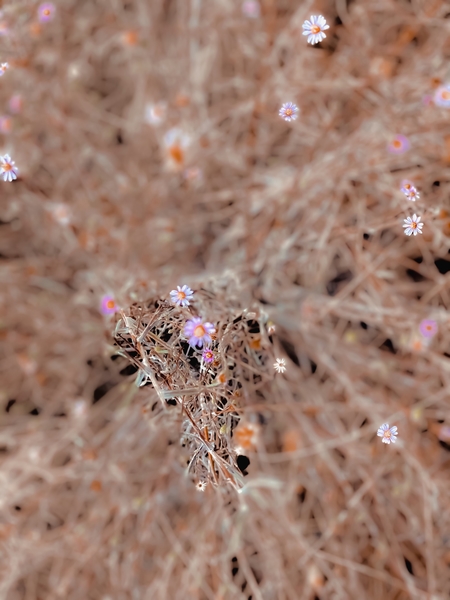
196 330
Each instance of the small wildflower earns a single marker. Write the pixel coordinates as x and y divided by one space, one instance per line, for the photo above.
198 332
416 344
46 12
182 295
176 142
155 113
5 124
409 191
315 28
7 169
413 195
3 68
280 365
399 145
389 434
412 225
289 111
61 213
201 486
108 305
428 328
129 38
193 175
79 408
27 364
251 8
15 104
208 355
442 96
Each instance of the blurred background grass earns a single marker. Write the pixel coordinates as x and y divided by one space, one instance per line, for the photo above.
151 154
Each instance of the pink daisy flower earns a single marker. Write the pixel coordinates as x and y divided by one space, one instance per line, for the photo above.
389 434
46 12
399 145
108 305
412 225
7 169
407 185
442 96
182 295
16 104
193 175
409 190
251 8
289 111
208 355
428 328
198 332
315 28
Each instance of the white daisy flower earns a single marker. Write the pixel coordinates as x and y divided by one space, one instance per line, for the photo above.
182 295
7 169
60 212
289 111
389 434
155 113
412 225
3 68
280 365
176 143
201 486
412 195
315 28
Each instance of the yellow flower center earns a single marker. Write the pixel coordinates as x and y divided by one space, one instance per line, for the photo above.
414 225
445 95
397 144
289 112
110 304
315 29
6 166
387 434
199 331
46 12
181 295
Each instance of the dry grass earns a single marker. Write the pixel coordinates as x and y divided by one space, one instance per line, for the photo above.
298 223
